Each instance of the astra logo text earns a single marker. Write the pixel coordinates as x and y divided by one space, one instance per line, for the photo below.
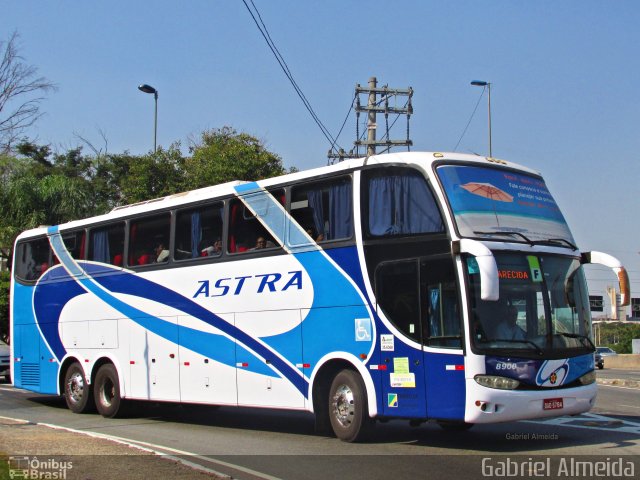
262 283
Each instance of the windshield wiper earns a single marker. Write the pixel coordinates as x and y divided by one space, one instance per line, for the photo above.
557 240
528 342
580 337
507 233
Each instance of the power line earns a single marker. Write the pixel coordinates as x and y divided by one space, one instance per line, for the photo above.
470 118
285 68
344 123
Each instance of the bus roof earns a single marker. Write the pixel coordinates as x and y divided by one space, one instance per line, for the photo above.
422 159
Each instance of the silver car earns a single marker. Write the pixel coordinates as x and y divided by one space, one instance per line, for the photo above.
5 366
606 351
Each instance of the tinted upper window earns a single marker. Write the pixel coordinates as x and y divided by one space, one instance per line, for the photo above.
32 259
199 232
106 244
249 219
401 203
149 240
324 209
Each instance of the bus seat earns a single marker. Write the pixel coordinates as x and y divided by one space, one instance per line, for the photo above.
144 259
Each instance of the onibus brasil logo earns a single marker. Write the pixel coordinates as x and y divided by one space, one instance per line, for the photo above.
34 468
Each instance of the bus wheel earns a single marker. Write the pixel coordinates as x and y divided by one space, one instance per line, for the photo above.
452 426
348 411
106 389
77 393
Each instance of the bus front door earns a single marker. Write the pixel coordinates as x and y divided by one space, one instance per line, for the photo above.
401 356
442 337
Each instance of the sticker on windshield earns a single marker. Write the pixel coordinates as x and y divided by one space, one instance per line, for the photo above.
534 267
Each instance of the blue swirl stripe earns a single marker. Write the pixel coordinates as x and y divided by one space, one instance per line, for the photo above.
104 286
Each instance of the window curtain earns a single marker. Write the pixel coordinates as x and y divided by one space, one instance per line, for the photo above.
101 246
340 208
434 312
315 203
196 234
402 205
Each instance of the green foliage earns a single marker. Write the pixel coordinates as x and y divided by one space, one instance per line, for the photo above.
224 155
4 305
618 336
40 192
153 175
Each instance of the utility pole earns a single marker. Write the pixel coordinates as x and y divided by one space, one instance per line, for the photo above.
371 123
377 102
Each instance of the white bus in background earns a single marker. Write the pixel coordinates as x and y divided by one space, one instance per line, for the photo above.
423 286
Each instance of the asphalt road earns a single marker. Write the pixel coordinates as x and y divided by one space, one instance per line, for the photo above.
268 444
618 373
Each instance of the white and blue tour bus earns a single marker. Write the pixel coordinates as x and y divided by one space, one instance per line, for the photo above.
421 286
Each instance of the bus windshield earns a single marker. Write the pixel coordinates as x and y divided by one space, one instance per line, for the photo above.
543 307
495 202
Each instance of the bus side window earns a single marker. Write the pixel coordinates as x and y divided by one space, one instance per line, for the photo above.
246 232
106 244
149 240
324 210
199 232
442 319
33 259
74 243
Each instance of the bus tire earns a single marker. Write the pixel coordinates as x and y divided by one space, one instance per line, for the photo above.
106 390
348 409
77 392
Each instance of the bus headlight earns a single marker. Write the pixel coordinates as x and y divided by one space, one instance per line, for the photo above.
588 378
501 383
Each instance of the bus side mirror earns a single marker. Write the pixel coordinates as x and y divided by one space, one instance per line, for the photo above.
615 264
489 286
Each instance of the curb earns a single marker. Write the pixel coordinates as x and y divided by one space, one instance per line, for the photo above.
617 382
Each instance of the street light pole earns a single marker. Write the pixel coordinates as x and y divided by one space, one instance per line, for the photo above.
149 89
480 83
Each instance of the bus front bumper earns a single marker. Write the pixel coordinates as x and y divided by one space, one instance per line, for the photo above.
488 405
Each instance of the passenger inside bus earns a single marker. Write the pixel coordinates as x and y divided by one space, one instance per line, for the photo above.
213 250
162 253
260 243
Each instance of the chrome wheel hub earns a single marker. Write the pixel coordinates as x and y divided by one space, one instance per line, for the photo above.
343 405
75 387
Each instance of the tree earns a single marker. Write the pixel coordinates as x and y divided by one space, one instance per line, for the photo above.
21 91
619 336
38 190
224 155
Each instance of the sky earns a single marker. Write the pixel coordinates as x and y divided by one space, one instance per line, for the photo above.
564 94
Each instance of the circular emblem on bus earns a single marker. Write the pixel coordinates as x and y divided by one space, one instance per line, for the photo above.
552 373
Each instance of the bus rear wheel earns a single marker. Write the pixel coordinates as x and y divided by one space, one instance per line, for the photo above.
77 393
348 410
106 390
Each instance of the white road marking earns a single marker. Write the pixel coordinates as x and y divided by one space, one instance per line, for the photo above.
592 421
159 450
604 385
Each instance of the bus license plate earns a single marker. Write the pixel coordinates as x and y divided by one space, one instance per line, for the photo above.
552 404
